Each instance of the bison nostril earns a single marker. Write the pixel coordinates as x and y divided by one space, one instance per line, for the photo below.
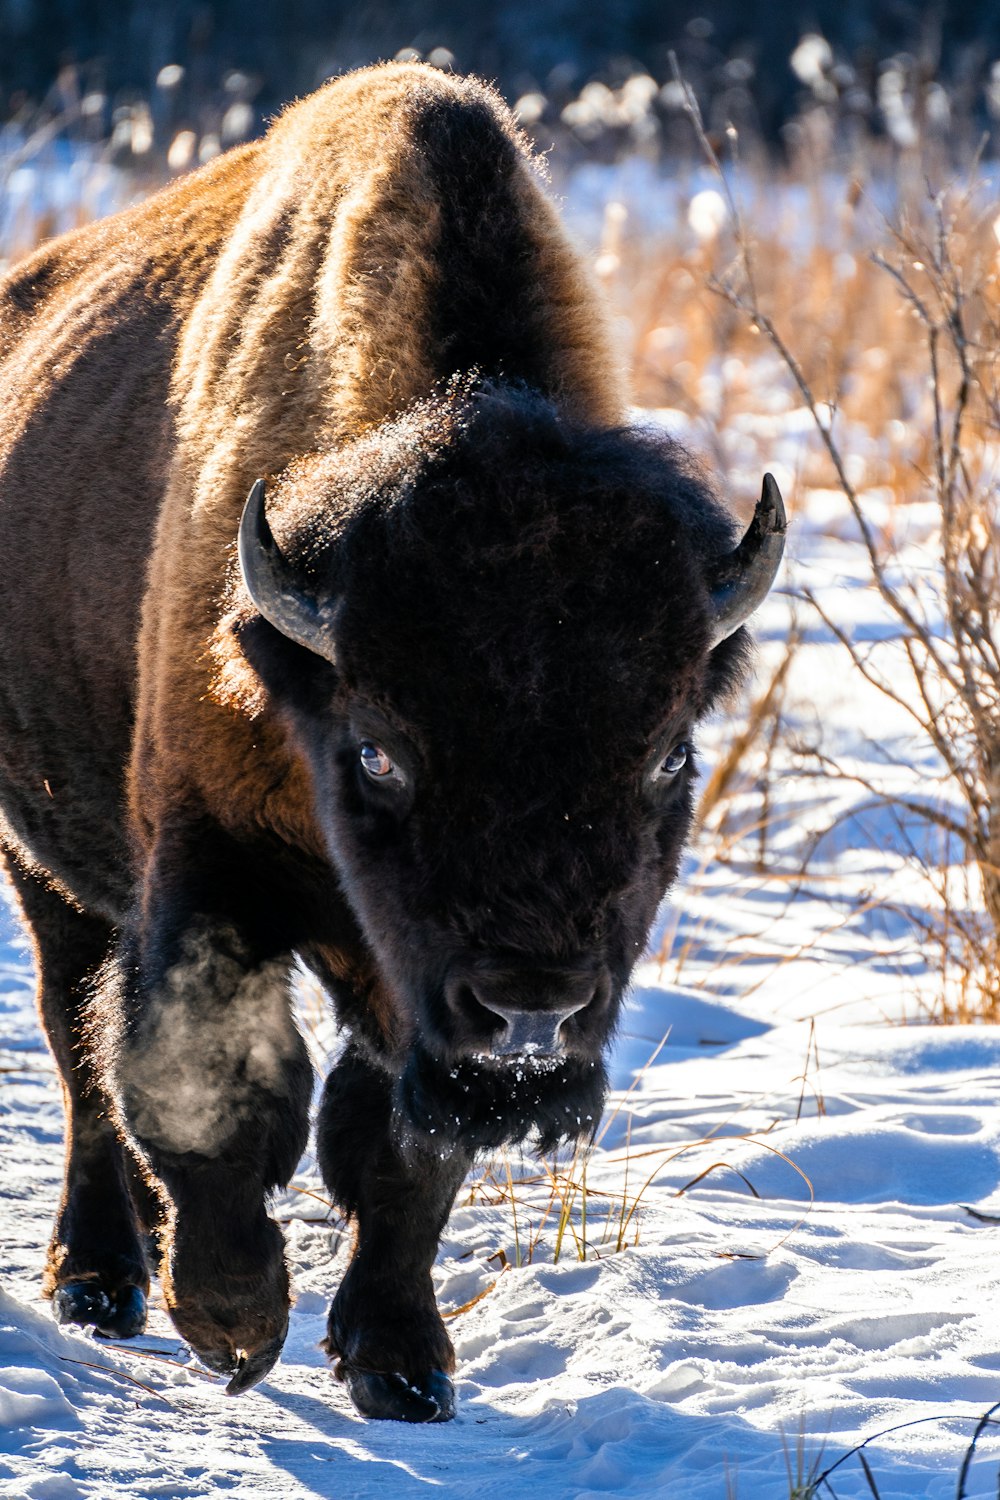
475 1017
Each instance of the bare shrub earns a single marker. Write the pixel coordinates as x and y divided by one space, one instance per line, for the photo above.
940 262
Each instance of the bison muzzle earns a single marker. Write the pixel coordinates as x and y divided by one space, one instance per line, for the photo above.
417 713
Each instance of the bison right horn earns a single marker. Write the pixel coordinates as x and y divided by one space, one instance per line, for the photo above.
272 585
740 580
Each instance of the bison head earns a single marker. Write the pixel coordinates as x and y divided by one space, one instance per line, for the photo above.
493 632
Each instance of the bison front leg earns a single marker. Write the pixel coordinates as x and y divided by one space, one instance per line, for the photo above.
385 1331
213 1084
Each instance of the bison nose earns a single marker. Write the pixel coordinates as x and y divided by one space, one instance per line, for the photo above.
516 1013
531 1032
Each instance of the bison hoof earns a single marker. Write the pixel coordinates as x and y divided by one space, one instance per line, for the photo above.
245 1367
120 1314
250 1368
393 1398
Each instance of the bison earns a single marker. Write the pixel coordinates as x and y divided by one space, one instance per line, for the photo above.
430 734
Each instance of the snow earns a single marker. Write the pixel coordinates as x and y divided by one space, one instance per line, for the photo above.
802 1272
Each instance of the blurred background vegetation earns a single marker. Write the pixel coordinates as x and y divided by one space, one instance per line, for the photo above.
590 78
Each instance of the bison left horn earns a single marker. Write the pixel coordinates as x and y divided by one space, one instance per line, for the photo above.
739 581
272 585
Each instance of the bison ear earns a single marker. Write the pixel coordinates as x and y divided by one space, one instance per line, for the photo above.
272 585
739 581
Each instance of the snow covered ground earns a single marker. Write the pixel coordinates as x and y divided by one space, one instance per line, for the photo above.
821 1283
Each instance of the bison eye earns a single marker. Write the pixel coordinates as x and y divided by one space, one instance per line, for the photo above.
376 762
672 763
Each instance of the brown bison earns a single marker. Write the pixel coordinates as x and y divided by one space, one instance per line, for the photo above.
432 735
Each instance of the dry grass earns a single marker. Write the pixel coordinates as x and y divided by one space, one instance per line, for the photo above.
593 1205
691 351
819 226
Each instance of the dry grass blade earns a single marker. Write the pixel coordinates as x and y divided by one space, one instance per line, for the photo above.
513 1210
620 1241
977 1214
812 1057
984 1421
311 1193
869 1476
456 1312
163 1359
119 1375
801 1469
715 1166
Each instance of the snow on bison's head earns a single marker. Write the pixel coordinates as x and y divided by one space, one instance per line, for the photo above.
493 632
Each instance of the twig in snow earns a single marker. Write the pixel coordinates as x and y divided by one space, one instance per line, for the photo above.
120 1374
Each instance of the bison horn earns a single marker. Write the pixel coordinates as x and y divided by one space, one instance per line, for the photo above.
739 581
272 586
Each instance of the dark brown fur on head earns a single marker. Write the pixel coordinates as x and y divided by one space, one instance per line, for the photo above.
522 623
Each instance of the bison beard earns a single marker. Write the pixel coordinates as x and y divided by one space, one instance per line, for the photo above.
432 735
485 1105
